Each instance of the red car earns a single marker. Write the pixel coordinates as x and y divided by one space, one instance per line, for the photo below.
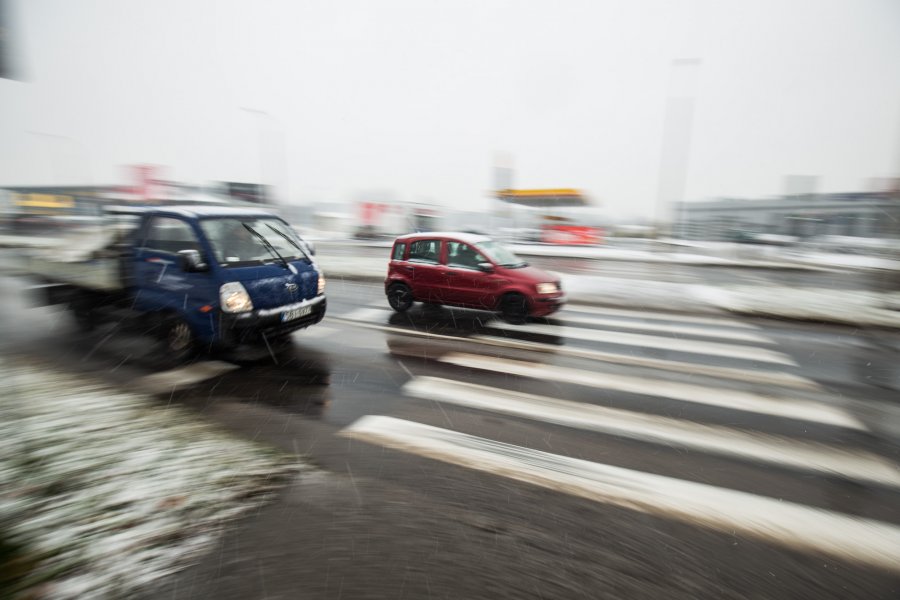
471 271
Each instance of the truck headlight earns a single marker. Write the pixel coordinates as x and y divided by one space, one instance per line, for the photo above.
546 288
321 289
234 298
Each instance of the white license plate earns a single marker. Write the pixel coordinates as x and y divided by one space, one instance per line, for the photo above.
290 315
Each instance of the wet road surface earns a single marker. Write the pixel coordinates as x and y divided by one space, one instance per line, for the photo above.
599 453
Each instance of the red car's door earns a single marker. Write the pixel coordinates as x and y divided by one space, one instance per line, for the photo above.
465 283
426 271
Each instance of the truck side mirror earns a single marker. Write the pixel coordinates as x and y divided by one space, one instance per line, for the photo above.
191 262
486 267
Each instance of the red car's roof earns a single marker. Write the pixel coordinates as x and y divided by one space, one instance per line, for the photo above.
469 238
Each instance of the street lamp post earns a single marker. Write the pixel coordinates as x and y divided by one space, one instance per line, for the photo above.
261 114
676 142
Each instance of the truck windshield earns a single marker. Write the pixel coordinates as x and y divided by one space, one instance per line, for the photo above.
235 245
501 255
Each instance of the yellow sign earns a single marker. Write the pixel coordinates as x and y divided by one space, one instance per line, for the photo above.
44 201
530 193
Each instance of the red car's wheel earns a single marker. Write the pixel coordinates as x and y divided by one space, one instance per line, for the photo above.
399 297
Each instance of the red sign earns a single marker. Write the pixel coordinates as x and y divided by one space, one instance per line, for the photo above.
146 181
370 212
570 235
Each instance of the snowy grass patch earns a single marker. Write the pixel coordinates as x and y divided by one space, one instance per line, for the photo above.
104 492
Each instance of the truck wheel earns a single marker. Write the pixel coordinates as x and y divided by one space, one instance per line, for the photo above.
399 297
514 308
84 316
179 340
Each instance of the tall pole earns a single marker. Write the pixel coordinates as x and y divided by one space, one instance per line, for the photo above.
676 143
893 229
503 180
261 114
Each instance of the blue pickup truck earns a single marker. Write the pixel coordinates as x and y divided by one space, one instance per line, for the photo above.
197 276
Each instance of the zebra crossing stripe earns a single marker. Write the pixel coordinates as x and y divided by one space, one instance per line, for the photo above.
789 408
853 539
652 341
654 316
670 329
364 314
726 441
758 376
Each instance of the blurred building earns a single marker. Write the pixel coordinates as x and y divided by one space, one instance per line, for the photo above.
42 208
862 214
253 193
36 208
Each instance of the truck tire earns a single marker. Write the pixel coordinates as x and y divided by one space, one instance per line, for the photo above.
83 314
179 341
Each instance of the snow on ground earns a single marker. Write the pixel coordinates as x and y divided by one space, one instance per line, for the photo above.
607 253
105 492
851 307
638 294
847 261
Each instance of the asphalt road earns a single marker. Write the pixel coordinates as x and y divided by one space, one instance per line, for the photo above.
601 453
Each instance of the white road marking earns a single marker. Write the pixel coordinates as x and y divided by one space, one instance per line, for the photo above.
166 381
808 529
652 341
669 328
807 456
317 331
364 314
789 408
749 375
653 315
752 376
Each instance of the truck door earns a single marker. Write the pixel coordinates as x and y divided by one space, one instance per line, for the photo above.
162 285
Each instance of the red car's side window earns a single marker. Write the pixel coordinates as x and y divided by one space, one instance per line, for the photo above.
426 251
463 255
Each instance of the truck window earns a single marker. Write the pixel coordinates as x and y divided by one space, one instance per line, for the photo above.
167 234
238 241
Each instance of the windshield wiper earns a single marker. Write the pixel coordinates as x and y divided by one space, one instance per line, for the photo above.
268 245
291 242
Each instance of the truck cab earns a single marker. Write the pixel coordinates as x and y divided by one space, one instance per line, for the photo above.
202 276
230 275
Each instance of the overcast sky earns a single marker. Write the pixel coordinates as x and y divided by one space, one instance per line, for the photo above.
418 97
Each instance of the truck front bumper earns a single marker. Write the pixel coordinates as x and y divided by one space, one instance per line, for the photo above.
269 324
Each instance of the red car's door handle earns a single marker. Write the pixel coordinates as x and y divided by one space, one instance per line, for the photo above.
451 273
